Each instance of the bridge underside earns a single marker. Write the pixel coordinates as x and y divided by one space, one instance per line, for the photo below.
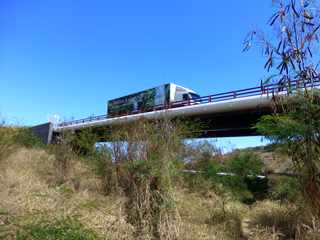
236 124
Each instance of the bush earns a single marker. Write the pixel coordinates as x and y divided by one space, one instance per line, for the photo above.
62 229
26 138
63 154
10 137
286 189
244 167
145 165
7 143
239 173
103 166
244 164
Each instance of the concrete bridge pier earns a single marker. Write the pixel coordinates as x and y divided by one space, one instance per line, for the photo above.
44 132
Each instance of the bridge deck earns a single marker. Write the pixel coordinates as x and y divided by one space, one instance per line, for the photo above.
245 100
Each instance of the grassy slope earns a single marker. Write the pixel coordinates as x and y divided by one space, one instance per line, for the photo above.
28 190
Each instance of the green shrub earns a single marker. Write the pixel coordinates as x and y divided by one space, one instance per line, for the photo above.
287 189
7 143
241 179
212 168
245 163
59 229
101 163
26 138
239 176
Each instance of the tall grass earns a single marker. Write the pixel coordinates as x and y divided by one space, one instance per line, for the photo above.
7 143
63 155
145 165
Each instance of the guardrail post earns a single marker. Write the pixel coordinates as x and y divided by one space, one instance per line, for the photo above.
234 94
210 99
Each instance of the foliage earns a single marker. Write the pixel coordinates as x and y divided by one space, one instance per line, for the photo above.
287 189
62 229
104 167
83 142
290 53
244 164
239 174
7 144
26 138
298 129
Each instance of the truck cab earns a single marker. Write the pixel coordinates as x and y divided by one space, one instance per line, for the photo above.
183 96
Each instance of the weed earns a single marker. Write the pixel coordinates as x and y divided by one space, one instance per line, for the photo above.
62 229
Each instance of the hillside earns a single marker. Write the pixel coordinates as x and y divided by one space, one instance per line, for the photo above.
34 204
274 159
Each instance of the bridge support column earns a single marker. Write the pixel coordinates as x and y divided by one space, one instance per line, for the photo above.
44 132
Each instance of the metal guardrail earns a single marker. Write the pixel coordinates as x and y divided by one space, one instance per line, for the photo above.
269 90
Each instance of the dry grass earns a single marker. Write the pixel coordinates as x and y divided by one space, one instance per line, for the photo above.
203 217
275 219
28 188
272 220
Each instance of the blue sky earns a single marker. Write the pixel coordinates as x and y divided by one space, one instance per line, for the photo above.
69 57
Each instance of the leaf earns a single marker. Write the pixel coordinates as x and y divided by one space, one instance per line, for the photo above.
309 23
279 45
268 79
292 64
315 30
268 63
289 35
284 46
310 52
294 8
274 19
307 15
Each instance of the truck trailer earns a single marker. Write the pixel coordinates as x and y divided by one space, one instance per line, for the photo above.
152 99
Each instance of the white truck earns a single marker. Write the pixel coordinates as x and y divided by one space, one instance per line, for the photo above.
156 98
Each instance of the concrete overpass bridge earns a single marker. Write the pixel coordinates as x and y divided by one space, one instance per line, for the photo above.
229 114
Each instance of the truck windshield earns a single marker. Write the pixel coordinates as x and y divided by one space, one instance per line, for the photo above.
194 96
